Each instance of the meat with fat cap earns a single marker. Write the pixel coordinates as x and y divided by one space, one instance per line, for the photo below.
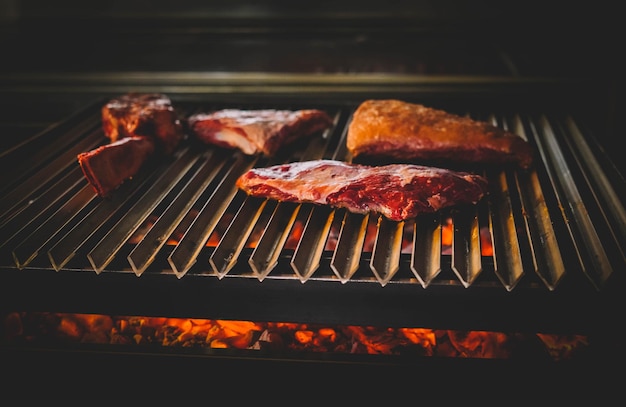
397 191
263 131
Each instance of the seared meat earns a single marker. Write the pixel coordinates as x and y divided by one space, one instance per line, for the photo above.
257 131
146 115
108 166
139 126
397 130
398 191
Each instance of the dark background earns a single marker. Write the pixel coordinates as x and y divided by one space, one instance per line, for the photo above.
59 56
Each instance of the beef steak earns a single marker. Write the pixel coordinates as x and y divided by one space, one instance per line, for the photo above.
397 191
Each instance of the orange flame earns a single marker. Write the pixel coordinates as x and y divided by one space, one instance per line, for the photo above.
281 336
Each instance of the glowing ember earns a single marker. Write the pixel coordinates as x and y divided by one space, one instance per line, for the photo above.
37 328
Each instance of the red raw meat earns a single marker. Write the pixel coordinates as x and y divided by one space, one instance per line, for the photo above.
147 115
257 131
397 191
139 126
108 166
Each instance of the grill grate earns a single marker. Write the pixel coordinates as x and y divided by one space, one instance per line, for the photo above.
184 216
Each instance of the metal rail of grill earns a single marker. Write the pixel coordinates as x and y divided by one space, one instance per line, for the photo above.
185 216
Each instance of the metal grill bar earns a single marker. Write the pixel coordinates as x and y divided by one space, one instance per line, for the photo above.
20 225
385 261
186 252
57 140
599 268
426 249
306 258
25 252
226 254
267 251
146 250
466 254
508 262
66 247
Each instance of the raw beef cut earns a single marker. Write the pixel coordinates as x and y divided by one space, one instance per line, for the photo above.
108 166
397 191
146 115
139 127
401 131
262 131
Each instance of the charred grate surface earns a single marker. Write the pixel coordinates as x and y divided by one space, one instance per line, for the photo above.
185 217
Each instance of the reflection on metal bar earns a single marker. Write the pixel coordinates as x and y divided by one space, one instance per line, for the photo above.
226 254
25 252
25 189
426 253
306 258
265 255
612 202
146 250
599 268
548 262
385 261
347 255
185 254
466 255
19 226
67 246
506 249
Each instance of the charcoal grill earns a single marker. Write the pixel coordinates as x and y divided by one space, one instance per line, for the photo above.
542 253
550 229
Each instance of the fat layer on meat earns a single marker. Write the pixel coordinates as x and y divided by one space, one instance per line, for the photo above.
262 131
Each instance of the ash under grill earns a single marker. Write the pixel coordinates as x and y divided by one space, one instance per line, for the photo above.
184 216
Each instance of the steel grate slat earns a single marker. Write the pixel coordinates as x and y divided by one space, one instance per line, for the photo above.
306 258
598 268
226 253
22 223
506 248
66 247
19 195
612 204
186 251
15 172
26 251
466 254
156 237
385 261
426 248
275 233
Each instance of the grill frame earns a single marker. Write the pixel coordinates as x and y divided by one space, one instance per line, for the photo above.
575 307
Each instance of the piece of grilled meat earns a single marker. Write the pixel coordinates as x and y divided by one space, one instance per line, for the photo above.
262 131
140 127
146 115
401 131
397 191
108 166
